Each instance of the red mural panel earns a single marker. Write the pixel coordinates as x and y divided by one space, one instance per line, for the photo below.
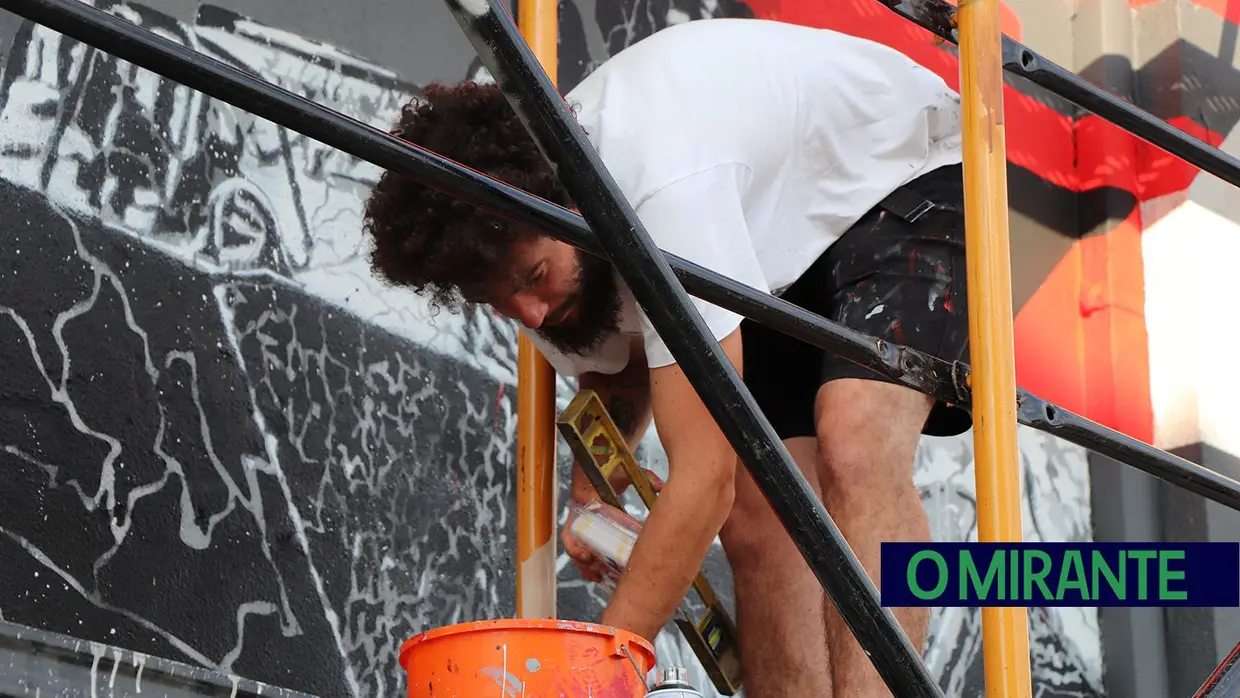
1161 173
1050 338
1114 342
1227 9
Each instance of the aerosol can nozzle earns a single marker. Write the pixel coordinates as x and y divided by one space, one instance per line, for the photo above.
673 682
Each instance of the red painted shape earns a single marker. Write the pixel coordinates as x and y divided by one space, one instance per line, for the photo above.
1112 290
1155 171
1227 9
1162 173
1050 339
1230 12
1115 343
1115 354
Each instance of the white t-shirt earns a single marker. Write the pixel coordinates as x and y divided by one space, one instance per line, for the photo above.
749 147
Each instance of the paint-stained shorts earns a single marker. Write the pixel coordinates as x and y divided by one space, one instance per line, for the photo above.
885 277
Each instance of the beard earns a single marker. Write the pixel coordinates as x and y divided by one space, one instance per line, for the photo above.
597 305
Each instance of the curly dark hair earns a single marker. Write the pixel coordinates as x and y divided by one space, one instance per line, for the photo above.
429 241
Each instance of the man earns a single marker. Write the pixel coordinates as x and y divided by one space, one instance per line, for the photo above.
796 161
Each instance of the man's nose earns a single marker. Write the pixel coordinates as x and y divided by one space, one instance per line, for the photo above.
529 310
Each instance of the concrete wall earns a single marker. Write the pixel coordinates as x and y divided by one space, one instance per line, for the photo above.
224 442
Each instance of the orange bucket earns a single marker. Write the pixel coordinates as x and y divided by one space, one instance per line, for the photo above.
527 658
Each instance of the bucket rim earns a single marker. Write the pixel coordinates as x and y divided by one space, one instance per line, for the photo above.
574 626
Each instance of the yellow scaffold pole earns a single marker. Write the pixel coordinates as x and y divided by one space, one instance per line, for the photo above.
1005 631
536 434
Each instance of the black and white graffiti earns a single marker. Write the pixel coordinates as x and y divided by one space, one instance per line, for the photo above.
266 463
225 442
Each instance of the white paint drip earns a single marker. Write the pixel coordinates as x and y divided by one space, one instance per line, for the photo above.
116 664
877 309
96 653
477 8
139 661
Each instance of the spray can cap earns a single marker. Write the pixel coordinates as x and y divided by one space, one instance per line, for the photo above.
672 677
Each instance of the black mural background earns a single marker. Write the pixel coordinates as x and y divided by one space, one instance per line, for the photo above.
223 442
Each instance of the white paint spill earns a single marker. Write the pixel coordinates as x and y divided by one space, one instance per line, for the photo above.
877 309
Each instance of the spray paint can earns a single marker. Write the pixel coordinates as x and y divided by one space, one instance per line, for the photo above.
673 682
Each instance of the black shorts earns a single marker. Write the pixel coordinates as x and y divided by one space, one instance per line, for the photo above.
888 278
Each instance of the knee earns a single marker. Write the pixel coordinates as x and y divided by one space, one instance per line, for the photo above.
851 457
868 434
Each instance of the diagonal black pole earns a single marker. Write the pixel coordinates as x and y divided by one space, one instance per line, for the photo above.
1023 61
642 266
928 374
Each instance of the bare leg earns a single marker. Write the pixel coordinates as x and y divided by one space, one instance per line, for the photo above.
778 599
867 435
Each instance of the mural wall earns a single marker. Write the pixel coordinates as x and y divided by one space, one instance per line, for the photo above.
224 442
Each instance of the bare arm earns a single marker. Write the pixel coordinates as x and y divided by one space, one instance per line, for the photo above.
691 509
